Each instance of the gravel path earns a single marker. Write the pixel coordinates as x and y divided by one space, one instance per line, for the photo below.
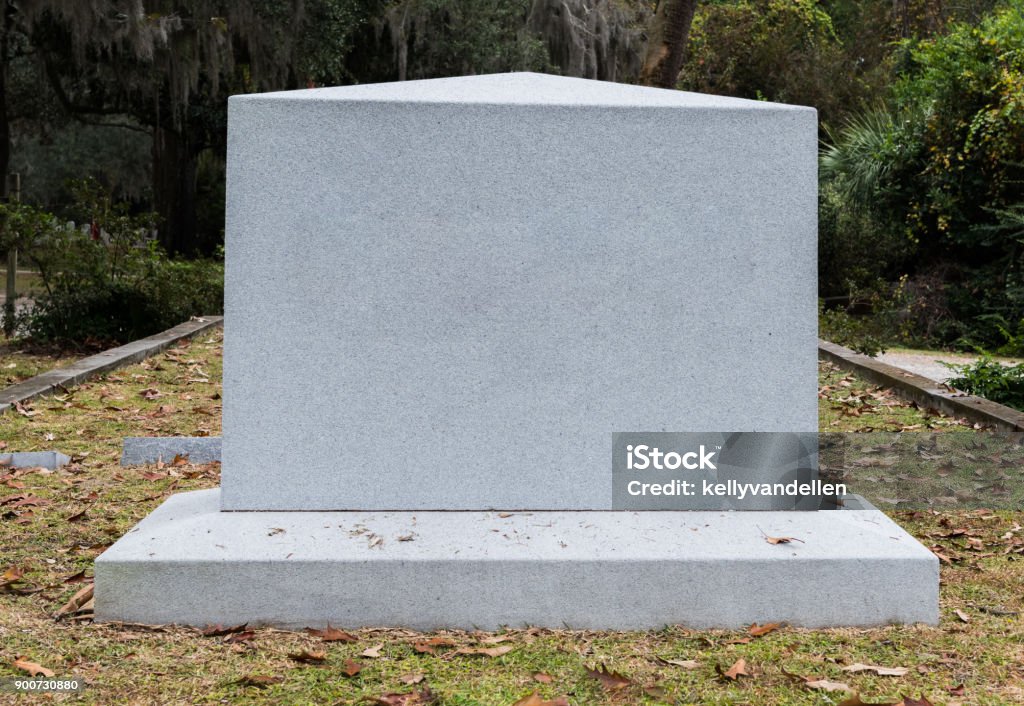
927 363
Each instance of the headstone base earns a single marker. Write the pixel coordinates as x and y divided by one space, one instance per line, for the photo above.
189 563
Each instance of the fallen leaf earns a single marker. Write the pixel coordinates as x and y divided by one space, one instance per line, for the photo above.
352 668
684 663
542 677
330 634
781 540
309 656
411 679
737 670
76 603
422 697
826 685
963 616
79 577
220 631
759 630
880 671
21 662
535 699
259 681
494 639
957 690
239 637
428 646
609 680
372 652
907 701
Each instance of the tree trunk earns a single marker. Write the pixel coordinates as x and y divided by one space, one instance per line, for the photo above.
666 42
174 190
5 123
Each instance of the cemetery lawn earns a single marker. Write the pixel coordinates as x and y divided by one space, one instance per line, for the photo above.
54 524
19 361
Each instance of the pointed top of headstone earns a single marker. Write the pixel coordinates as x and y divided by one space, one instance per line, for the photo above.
523 89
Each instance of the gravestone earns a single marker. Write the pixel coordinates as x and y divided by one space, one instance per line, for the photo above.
451 307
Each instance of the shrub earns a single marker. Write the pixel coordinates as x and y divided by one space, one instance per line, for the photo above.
112 283
992 380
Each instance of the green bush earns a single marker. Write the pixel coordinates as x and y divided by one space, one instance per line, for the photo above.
112 283
992 380
939 172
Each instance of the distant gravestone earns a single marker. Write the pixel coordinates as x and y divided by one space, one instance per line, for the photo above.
501 293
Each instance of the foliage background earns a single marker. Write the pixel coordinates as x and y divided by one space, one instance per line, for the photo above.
921 203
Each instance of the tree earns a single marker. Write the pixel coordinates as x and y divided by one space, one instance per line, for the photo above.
666 42
170 65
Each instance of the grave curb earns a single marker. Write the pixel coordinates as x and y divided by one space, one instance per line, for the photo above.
922 390
81 370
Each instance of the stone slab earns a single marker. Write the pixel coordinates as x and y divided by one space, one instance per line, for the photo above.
190 563
484 278
33 459
138 450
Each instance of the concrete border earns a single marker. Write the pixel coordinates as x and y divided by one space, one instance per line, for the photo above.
922 390
81 370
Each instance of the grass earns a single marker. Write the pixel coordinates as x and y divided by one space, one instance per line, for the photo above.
20 361
44 533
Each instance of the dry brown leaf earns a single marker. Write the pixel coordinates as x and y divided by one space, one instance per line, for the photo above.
77 602
309 656
781 540
219 630
240 637
880 671
411 679
352 668
963 616
372 652
429 646
535 699
826 685
759 630
684 663
737 670
22 662
423 697
543 677
330 634
907 701
494 639
609 680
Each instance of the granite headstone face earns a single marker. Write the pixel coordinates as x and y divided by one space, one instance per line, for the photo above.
450 293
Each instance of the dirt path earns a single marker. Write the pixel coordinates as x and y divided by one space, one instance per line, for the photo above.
929 363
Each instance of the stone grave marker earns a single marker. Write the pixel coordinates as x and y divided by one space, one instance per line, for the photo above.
446 303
